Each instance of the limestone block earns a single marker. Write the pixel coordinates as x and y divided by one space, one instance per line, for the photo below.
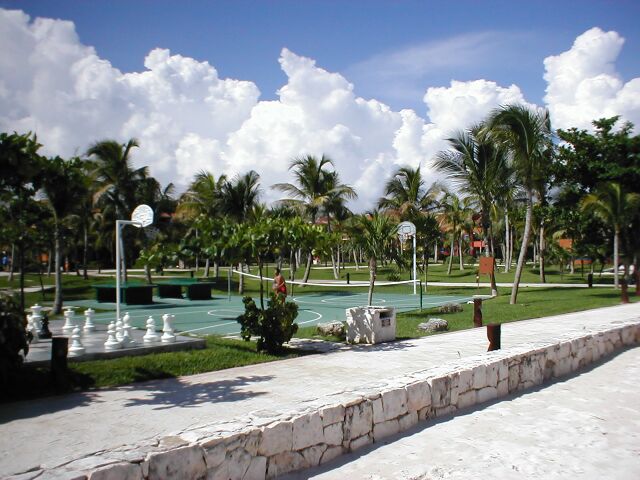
503 388
503 370
385 429
238 462
285 462
443 411
358 421
409 420
487 393
117 471
466 399
418 396
394 403
628 335
257 469
492 374
252 442
563 350
378 410
479 376
440 391
333 434
360 442
307 431
312 455
332 414
547 371
183 462
514 376
331 453
276 438
563 367
425 413
215 455
465 380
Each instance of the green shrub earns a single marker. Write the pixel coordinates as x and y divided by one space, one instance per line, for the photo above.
393 275
13 338
273 326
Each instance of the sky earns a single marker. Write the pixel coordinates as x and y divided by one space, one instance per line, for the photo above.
229 86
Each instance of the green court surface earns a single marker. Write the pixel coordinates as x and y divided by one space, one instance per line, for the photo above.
218 315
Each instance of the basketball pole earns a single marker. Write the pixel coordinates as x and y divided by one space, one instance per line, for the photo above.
415 276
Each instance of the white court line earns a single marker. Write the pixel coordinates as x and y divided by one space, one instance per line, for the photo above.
210 326
313 319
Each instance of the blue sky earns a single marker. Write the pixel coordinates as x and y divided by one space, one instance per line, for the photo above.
505 41
229 86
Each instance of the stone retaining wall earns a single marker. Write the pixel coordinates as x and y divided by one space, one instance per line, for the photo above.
267 444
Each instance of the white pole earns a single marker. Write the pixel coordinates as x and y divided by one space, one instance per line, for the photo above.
415 276
119 224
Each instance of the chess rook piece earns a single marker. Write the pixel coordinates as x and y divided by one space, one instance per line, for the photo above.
167 335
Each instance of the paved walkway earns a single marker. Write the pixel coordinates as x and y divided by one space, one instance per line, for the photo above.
54 430
581 427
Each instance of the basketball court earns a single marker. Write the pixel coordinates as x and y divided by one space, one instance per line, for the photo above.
218 315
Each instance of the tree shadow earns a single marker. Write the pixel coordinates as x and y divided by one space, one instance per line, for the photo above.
178 393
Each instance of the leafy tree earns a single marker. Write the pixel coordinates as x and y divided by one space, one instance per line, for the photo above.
376 233
616 208
65 187
454 213
526 134
406 194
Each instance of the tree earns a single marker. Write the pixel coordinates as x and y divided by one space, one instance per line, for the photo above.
315 192
405 193
476 164
20 167
454 213
526 133
376 233
616 208
64 185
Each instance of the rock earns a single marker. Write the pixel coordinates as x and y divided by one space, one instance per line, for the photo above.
183 462
307 431
335 329
434 325
118 471
449 308
276 438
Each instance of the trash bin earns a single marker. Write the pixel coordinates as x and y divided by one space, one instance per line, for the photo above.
371 324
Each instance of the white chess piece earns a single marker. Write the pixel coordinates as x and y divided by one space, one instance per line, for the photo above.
119 330
151 336
31 328
127 339
89 326
167 335
69 324
36 321
112 343
76 347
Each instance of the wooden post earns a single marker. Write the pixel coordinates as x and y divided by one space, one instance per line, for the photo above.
477 312
493 334
624 293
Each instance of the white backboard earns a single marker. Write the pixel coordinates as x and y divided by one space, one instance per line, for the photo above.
142 215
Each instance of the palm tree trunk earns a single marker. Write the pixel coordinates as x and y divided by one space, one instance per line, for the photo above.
451 254
57 301
12 262
85 250
542 251
147 273
425 266
523 249
460 252
372 278
333 265
307 270
507 242
207 267
261 285
435 252
216 269
616 256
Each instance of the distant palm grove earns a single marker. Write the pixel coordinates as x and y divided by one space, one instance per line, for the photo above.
514 189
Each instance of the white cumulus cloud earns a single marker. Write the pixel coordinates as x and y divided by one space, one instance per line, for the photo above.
583 84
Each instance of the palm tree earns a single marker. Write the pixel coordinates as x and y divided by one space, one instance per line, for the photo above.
237 201
315 192
615 207
406 194
454 213
64 186
116 180
376 233
476 164
526 134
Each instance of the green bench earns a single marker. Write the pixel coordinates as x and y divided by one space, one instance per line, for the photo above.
130 293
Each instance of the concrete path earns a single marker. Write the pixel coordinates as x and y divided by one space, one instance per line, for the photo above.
581 427
54 430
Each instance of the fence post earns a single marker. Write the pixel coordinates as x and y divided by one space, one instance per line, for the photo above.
590 280
493 334
59 348
624 292
477 312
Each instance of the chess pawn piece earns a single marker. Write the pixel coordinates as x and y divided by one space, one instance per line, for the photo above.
112 343
31 328
76 347
167 335
119 330
36 322
127 339
89 326
151 336
68 326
